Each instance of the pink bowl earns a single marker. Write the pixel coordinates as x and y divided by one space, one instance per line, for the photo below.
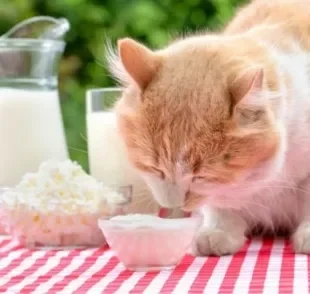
2 229
143 248
33 227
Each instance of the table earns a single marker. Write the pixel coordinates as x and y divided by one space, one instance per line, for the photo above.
262 266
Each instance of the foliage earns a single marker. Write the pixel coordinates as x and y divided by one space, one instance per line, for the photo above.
150 21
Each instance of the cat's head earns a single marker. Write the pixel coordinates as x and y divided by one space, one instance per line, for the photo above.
195 120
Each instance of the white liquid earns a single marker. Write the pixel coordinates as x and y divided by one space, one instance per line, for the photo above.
109 163
31 131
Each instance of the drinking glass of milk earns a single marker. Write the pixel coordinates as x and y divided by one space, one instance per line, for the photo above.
31 127
108 160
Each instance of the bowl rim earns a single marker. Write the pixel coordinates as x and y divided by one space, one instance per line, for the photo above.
4 189
164 224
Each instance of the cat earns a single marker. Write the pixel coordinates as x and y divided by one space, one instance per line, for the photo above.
220 123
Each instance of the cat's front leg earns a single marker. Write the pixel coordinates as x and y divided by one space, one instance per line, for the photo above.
222 233
301 238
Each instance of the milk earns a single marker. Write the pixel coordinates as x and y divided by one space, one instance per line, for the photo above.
31 131
109 163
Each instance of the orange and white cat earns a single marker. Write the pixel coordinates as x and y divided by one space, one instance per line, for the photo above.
221 122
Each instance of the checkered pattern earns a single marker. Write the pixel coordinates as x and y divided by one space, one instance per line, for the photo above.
263 266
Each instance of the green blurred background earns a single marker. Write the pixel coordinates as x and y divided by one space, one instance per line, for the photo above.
152 22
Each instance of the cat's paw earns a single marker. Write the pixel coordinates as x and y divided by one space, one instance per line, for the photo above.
216 242
301 239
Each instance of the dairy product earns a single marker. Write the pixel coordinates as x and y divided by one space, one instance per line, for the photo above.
31 132
138 219
58 205
109 163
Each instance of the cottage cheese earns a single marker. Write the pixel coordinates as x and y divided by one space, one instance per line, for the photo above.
58 205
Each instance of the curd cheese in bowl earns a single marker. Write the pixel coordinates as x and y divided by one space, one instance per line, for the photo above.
59 206
2 230
147 242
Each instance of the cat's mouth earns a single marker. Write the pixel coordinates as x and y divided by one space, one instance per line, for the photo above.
192 201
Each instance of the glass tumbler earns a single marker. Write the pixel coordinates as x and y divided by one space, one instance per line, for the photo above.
107 154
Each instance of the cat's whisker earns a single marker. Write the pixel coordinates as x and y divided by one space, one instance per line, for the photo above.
144 200
285 215
274 187
83 137
275 181
77 149
246 208
256 204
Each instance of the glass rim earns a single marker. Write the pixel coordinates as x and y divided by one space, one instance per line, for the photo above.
107 89
18 43
93 91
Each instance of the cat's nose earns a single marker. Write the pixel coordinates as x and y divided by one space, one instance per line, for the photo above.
171 200
187 195
166 193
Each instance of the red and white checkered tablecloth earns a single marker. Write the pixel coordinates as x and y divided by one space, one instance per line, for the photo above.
263 266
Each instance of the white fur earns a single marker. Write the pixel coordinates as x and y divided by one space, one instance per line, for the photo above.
280 199
116 67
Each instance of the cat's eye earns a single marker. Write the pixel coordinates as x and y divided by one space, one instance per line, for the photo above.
198 179
151 170
226 157
158 172
206 180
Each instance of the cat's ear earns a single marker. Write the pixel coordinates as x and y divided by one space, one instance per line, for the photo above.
139 62
250 104
249 83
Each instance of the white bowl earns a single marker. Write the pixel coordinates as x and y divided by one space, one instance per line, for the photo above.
149 248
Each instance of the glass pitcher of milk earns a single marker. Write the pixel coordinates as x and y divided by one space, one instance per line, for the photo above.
31 127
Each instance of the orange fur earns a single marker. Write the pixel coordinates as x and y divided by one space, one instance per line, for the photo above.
290 18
